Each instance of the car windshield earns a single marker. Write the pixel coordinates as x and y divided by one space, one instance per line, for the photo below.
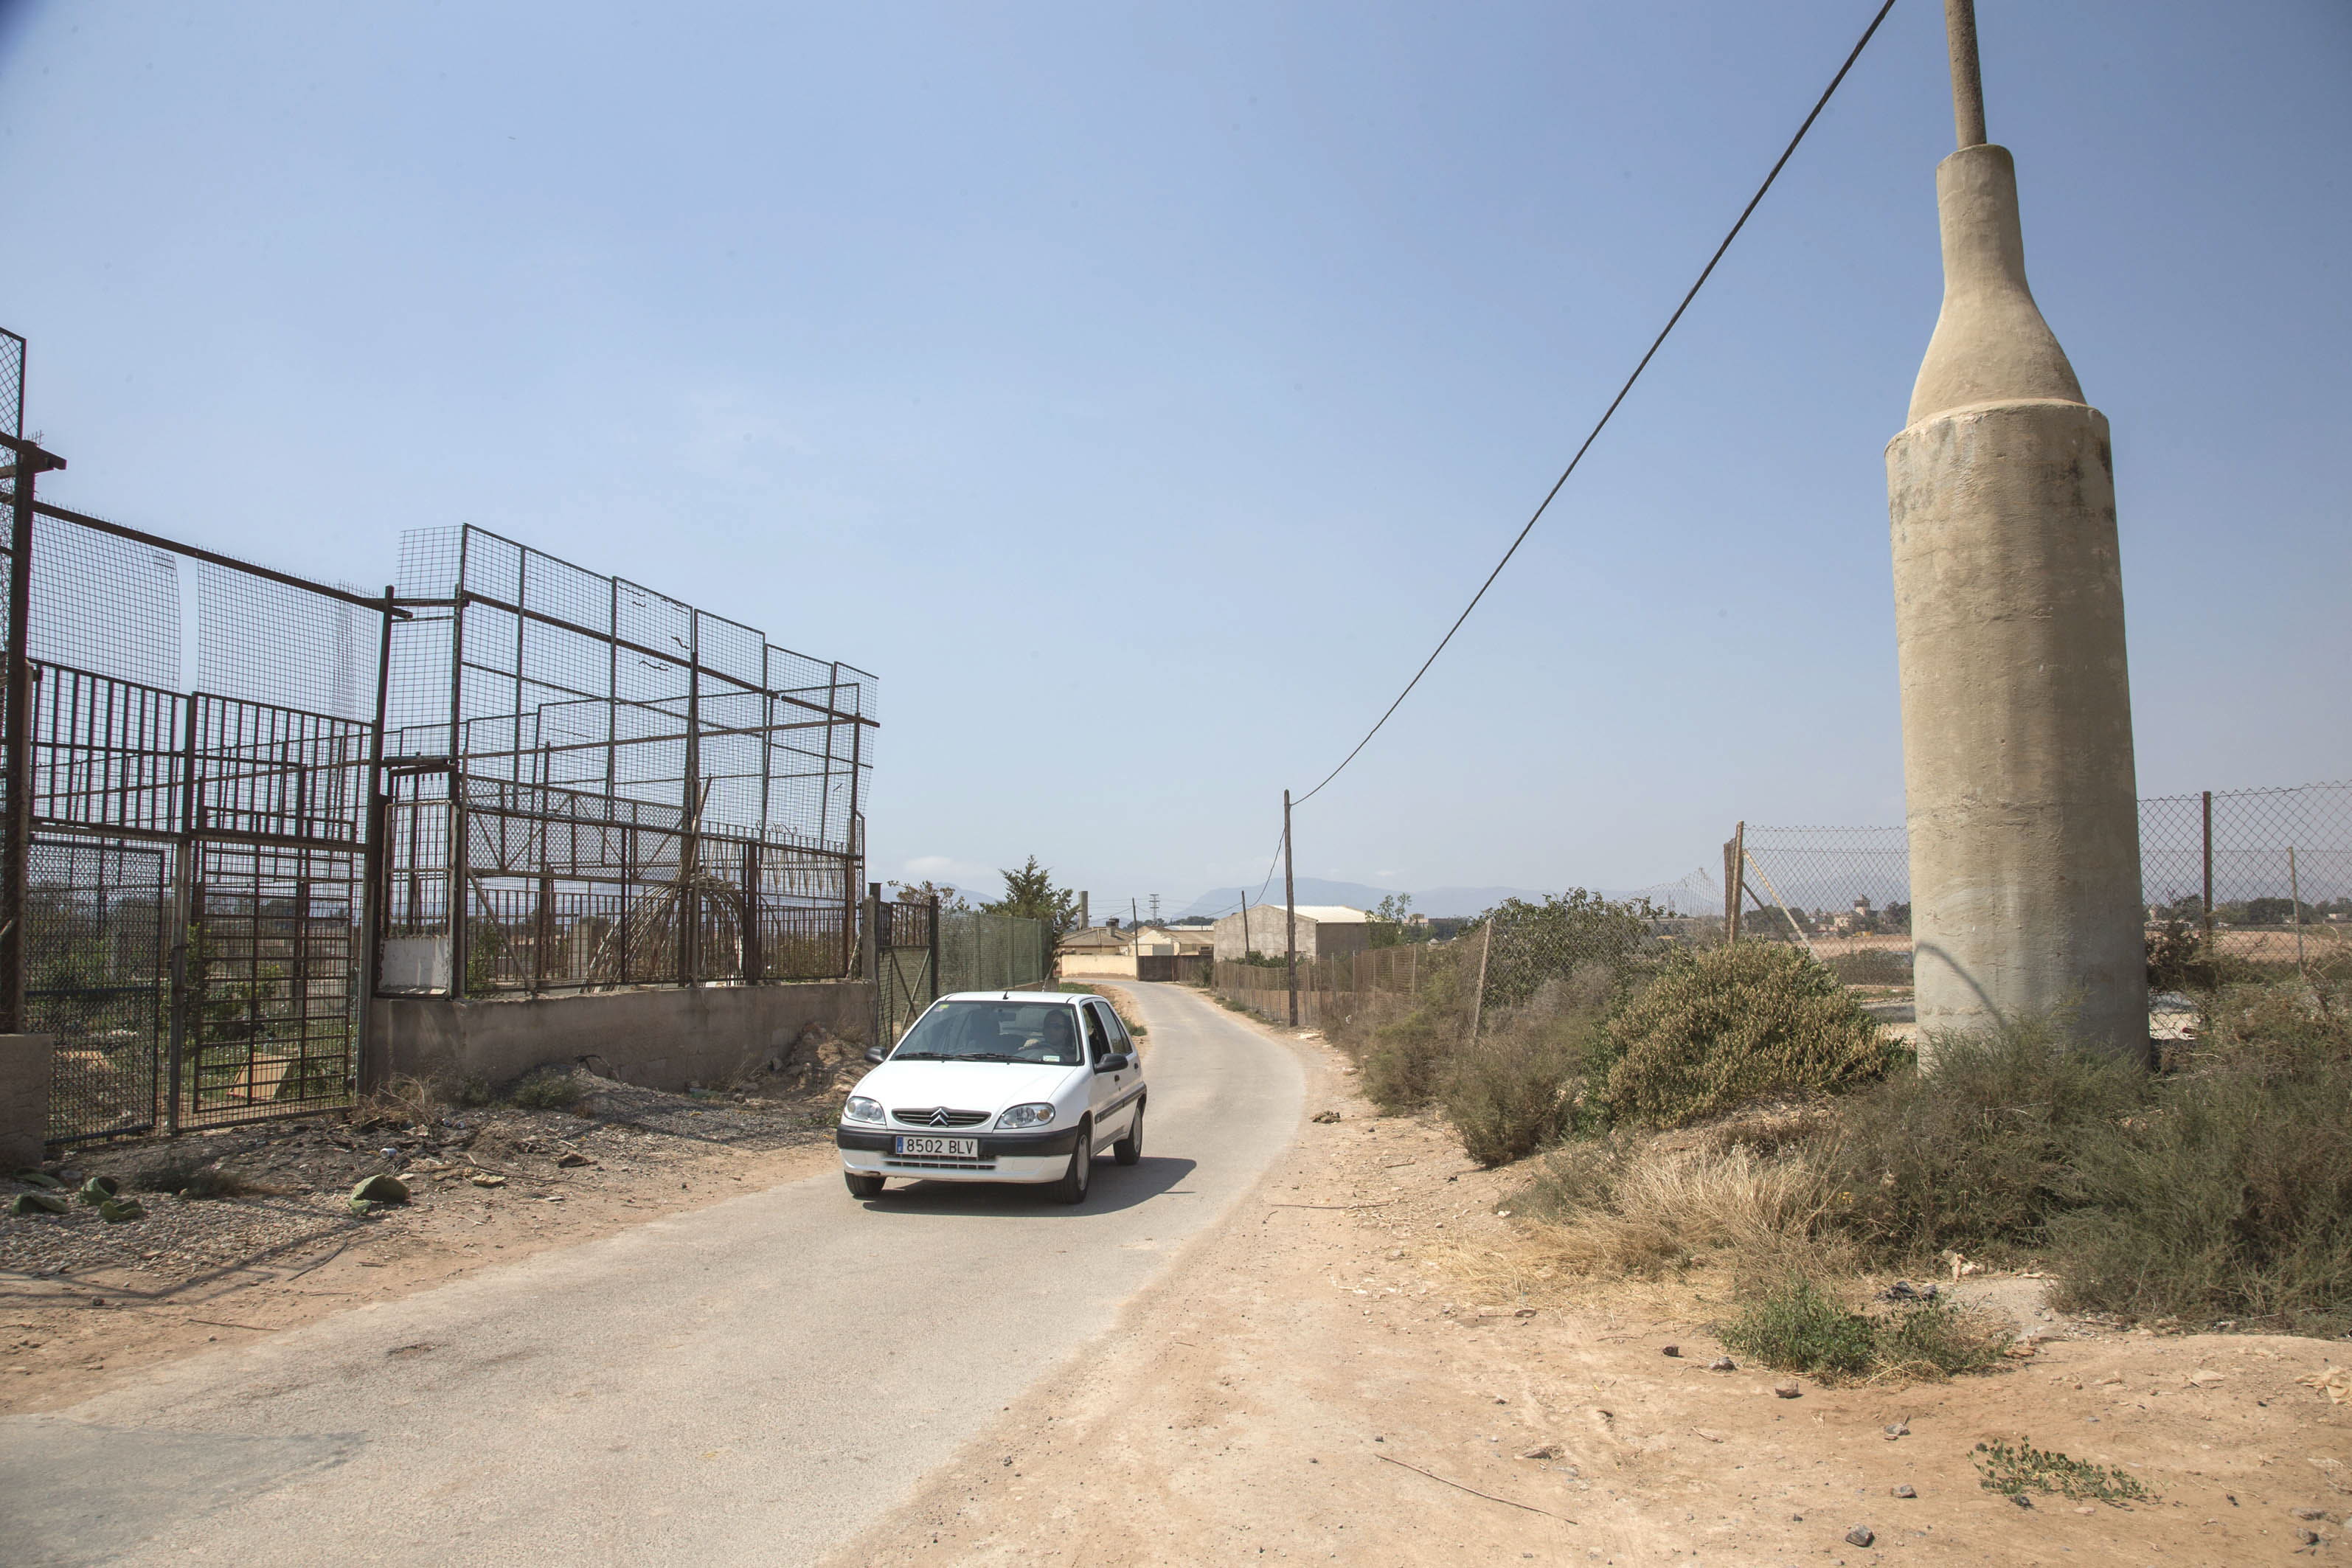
994 1032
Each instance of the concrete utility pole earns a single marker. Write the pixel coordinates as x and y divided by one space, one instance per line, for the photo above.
2009 614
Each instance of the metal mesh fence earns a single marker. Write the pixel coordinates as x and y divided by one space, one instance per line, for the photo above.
922 953
650 793
2260 878
1333 991
994 952
534 670
104 605
12 389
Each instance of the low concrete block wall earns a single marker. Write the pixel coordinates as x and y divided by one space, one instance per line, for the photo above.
25 1064
656 1039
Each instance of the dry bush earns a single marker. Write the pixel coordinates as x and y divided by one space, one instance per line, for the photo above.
1973 1151
1519 1087
1614 1206
2230 1197
1727 1025
556 1088
402 1097
1404 1063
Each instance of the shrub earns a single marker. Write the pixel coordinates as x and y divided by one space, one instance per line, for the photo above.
1510 1094
1796 1326
1603 944
1725 1025
2231 1196
1405 1063
2179 958
546 1088
1973 1150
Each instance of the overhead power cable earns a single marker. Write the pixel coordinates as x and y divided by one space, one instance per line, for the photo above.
1655 344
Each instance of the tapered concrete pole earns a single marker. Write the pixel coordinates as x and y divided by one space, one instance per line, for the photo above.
2017 740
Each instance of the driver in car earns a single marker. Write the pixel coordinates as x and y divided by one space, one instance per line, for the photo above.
1059 1042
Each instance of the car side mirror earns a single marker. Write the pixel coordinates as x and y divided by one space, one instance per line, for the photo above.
1112 1062
875 1053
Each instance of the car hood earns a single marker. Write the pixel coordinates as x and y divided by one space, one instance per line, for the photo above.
965 1086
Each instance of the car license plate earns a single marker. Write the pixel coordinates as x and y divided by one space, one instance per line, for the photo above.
943 1148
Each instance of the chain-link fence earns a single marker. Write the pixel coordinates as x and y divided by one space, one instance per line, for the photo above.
2237 884
922 952
1333 990
1577 948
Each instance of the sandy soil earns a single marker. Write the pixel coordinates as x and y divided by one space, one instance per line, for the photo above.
84 1304
1320 1380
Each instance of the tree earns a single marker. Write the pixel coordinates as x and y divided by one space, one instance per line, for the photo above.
1390 925
950 900
1030 893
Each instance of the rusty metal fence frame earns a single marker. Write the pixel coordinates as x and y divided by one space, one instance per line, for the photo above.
620 789
609 787
184 870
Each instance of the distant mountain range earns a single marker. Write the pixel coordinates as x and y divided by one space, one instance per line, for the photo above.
1437 902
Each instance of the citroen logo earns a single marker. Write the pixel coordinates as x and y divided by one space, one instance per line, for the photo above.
939 1117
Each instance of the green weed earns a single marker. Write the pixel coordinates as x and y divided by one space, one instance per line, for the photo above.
2011 1469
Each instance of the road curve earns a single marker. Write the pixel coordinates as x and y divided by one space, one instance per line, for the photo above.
746 1384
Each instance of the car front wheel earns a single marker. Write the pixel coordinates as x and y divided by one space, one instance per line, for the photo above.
1127 1151
862 1186
1071 1187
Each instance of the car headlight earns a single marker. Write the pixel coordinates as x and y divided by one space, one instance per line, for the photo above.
1026 1116
861 1108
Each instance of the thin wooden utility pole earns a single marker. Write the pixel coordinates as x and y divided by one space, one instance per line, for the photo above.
1291 912
1735 881
2294 896
2208 873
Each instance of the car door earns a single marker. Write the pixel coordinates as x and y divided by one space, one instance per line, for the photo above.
1107 1088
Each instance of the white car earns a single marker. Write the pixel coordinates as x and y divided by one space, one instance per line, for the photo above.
998 1086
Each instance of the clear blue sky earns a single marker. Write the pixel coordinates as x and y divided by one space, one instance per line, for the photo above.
1182 369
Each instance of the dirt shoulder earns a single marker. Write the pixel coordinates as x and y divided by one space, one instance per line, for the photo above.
1335 1374
84 1304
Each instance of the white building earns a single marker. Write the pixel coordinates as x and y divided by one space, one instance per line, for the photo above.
1325 930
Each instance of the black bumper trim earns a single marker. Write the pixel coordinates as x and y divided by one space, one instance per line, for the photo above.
996 1145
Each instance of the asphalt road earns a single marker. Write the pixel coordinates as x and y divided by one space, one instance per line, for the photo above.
746 1384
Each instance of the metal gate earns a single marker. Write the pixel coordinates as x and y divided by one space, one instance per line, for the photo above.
906 965
194 903
98 979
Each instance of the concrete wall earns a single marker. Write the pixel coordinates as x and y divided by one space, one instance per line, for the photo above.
1107 964
1266 934
25 1064
659 1038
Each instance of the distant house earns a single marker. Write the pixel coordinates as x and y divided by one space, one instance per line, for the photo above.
1097 952
1325 930
1105 952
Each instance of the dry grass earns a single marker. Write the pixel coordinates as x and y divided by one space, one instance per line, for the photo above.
1661 1207
402 1097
